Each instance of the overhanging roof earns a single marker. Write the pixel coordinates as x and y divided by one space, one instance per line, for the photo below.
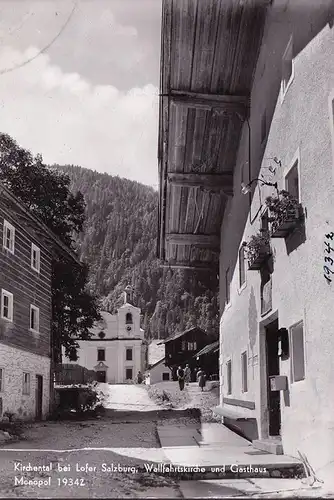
181 334
50 241
208 55
156 363
211 348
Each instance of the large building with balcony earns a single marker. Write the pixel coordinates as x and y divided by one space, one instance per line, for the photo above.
246 164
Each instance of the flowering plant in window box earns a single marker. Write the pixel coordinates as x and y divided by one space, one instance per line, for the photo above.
285 214
257 250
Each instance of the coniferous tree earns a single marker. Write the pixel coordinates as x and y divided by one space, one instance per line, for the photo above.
120 248
46 193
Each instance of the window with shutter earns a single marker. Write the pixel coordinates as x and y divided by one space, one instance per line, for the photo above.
244 372
242 272
287 68
292 181
227 286
229 377
297 352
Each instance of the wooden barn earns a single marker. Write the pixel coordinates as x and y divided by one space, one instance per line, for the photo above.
181 347
208 360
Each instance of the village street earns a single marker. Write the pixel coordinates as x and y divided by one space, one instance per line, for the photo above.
107 457
130 398
123 440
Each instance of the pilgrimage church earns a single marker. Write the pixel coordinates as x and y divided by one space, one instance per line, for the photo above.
116 350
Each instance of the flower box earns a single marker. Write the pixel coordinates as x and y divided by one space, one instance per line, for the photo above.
285 214
257 250
281 227
257 259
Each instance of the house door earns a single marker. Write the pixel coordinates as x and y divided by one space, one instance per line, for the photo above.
128 374
39 397
273 368
101 376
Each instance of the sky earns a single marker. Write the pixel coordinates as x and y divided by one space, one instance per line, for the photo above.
79 82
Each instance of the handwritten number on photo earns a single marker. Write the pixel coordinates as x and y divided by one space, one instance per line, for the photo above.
329 260
329 249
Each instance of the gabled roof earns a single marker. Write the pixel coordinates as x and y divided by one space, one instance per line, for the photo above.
155 352
42 230
127 304
211 348
181 334
156 364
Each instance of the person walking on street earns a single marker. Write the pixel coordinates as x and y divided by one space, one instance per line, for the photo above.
180 377
139 378
201 379
187 375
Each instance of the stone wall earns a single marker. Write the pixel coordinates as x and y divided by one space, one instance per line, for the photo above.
14 362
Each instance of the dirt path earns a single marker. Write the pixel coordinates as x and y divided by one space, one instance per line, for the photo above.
127 398
190 397
95 459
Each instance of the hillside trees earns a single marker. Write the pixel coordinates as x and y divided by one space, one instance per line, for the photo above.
119 243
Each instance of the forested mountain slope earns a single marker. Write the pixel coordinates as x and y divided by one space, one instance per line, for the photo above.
119 244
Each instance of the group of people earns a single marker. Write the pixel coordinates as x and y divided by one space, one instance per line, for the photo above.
184 377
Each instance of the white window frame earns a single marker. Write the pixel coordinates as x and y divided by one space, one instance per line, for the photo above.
264 127
285 88
8 225
244 374
130 349
331 123
2 379
293 381
228 282
229 388
35 248
97 354
26 386
36 309
5 293
287 170
244 284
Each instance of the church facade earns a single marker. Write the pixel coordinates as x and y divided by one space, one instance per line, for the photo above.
116 350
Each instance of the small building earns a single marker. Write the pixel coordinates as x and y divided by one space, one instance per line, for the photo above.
155 351
116 350
208 360
27 249
159 372
181 347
